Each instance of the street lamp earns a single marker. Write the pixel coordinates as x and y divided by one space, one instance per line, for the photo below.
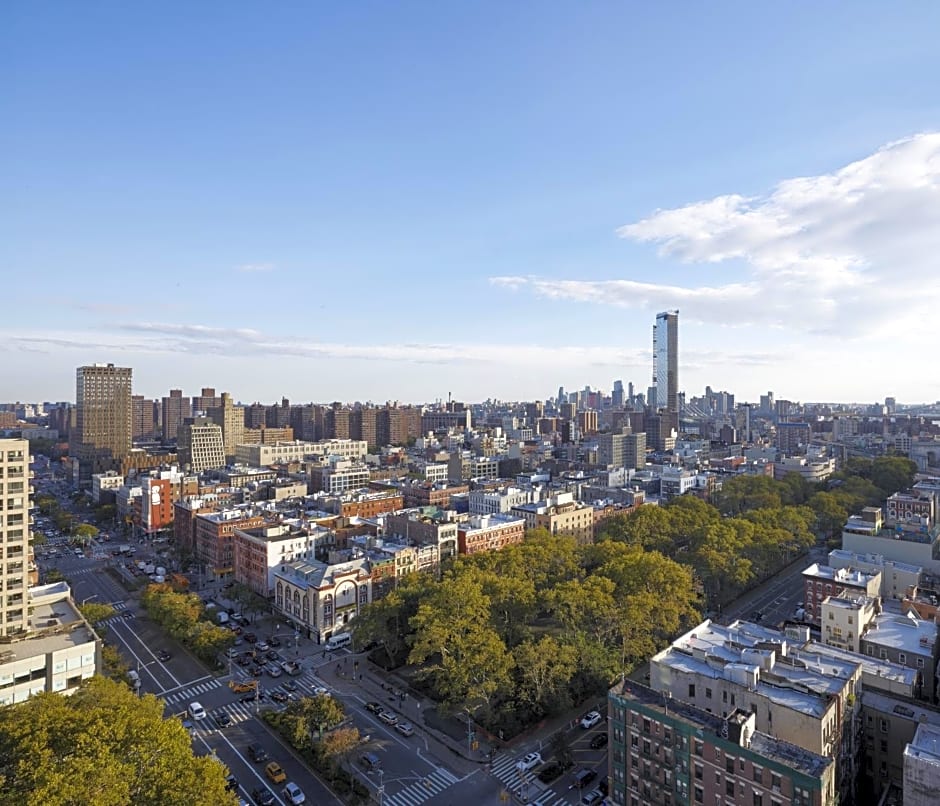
88 599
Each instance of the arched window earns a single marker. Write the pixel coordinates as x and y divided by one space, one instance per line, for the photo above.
280 596
306 616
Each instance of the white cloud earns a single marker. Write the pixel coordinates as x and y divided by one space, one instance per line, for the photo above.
850 252
255 268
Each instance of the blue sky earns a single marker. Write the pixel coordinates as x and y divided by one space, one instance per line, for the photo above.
371 201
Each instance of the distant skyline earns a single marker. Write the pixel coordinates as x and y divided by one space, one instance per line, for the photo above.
397 202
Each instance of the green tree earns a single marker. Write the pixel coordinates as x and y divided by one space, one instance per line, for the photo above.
461 653
96 612
544 668
741 493
890 474
83 533
105 746
830 514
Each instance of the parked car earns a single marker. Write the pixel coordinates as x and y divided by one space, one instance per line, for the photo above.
405 728
590 719
599 741
275 772
388 717
529 761
374 707
231 783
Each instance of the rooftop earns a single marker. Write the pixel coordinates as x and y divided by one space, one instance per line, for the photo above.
871 559
905 633
925 745
790 755
844 576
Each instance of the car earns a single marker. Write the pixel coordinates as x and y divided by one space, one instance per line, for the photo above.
257 695
279 696
374 707
163 655
274 670
290 685
196 711
262 646
272 655
250 637
529 761
599 741
583 777
293 794
231 783
263 797
370 761
590 719
275 772
274 641
319 691
256 671
235 629
222 719
257 752
592 797
405 728
243 660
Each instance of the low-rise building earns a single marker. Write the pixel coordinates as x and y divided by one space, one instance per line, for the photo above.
489 533
259 551
896 577
820 581
261 455
915 543
105 482
57 652
321 599
667 752
806 697
426 527
844 619
922 767
909 641
338 475
560 515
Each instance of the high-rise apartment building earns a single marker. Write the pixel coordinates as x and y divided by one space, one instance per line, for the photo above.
666 361
199 445
176 409
14 535
146 414
232 420
104 420
205 400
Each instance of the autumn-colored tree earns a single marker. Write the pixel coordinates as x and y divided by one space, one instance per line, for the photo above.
102 745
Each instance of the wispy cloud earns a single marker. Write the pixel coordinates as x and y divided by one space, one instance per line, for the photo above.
847 252
255 268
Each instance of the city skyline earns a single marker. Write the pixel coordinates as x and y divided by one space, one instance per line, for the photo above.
401 204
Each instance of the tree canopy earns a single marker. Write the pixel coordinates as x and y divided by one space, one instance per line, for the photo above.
102 745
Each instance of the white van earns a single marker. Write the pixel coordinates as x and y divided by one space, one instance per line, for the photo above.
338 641
196 711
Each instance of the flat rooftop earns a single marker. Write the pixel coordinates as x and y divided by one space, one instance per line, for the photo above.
800 680
905 633
871 666
925 746
790 755
843 576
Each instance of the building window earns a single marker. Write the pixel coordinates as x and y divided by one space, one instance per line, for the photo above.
699 772
902 658
883 653
699 795
692 690
759 774
920 663
884 725
708 693
698 747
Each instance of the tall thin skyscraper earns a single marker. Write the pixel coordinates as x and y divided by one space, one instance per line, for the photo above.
666 360
14 536
104 418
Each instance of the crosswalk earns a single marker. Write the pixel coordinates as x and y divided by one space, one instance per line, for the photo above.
191 693
423 789
525 785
